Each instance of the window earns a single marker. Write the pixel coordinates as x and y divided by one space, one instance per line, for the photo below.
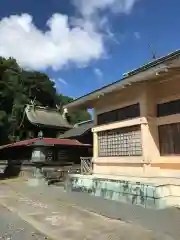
120 142
169 139
168 108
121 114
49 155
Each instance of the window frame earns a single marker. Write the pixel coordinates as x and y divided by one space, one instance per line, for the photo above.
120 114
168 108
168 139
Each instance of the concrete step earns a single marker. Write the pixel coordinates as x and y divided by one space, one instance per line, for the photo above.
148 194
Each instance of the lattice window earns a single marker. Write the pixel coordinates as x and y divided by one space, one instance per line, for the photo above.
120 142
169 139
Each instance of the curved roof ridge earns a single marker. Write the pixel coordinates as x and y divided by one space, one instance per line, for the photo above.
40 116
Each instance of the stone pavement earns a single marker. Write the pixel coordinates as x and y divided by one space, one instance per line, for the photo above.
61 219
162 221
14 228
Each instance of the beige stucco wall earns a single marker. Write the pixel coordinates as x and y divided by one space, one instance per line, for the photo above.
148 95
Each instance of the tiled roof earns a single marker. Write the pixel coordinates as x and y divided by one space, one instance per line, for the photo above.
44 141
45 116
79 130
150 67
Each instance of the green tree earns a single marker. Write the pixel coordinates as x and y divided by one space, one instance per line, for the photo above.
77 116
17 88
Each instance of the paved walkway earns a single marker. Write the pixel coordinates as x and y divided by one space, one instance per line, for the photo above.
162 221
52 211
14 228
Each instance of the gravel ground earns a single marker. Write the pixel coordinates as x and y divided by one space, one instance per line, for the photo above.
12 227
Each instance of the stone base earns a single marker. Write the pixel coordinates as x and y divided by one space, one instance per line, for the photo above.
34 182
144 192
37 177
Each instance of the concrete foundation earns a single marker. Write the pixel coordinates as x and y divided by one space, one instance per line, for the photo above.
148 193
37 177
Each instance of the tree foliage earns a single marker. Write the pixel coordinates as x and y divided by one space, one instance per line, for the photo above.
75 117
17 88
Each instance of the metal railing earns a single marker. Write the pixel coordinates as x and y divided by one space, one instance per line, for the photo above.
86 165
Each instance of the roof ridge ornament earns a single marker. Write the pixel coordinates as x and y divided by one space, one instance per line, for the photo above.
59 107
32 101
28 107
32 104
65 112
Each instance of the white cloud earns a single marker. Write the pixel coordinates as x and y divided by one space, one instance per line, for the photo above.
58 83
98 73
79 41
90 7
137 35
55 48
60 80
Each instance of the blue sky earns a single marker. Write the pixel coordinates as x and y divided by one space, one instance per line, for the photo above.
87 44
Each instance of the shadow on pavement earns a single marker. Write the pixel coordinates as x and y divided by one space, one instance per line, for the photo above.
11 171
